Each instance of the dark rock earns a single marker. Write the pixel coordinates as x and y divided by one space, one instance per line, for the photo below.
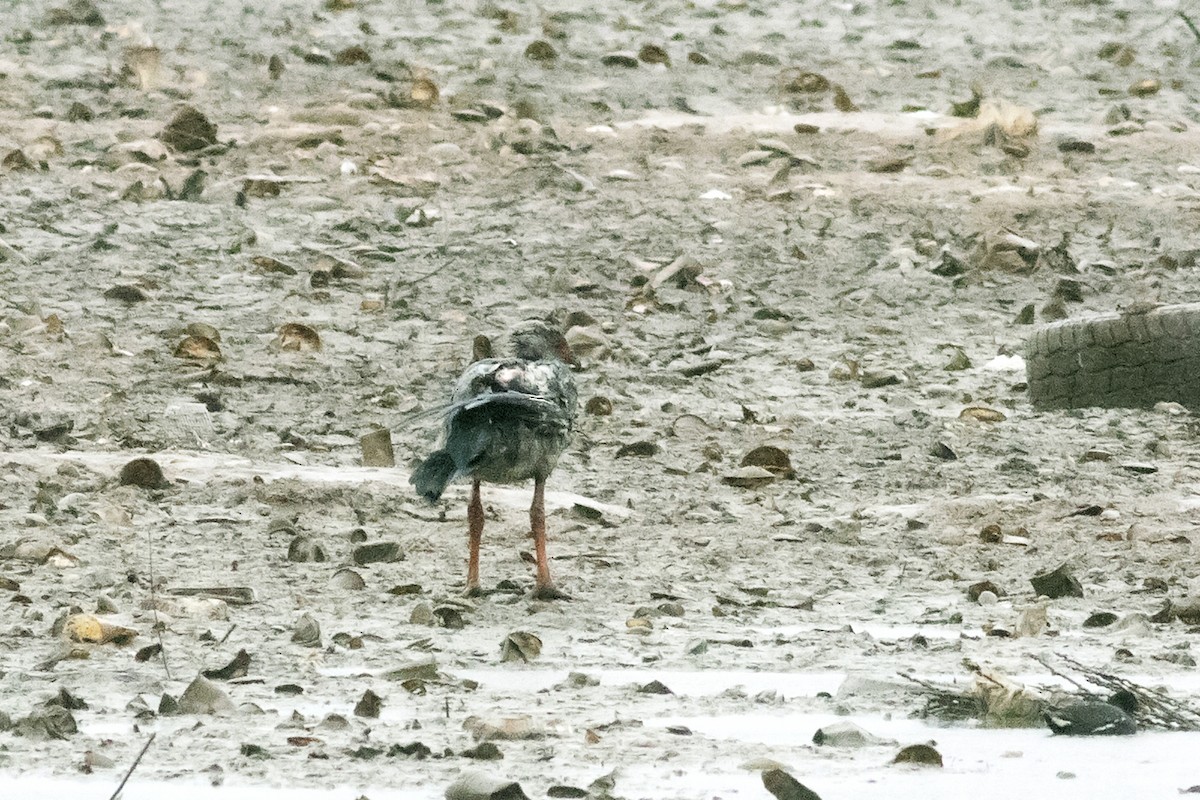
1058 582
418 750
641 449
142 472
1101 619
369 705
922 754
484 751
377 552
1076 146
785 787
304 549
239 667
654 687
46 723
481 786
188 131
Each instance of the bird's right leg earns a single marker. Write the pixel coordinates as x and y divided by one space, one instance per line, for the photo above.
475 535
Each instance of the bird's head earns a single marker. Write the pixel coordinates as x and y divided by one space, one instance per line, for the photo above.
537 340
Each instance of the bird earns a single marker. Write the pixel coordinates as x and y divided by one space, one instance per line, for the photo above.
1113 717
508 421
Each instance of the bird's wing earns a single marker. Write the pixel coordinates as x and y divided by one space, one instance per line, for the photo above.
547 380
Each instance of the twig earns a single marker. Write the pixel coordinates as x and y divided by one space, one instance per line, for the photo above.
933 687
10 252
227 634
1191 25
1060 674
133 766
162 649
418 279
946 703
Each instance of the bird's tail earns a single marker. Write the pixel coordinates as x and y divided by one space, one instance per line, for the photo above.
433 475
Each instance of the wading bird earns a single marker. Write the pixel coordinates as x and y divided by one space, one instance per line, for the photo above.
509 420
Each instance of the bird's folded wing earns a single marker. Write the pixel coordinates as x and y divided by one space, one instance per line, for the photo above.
517 400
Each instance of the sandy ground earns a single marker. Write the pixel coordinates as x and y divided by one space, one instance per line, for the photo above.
842 309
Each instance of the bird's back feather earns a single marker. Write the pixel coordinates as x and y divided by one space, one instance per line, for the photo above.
508 420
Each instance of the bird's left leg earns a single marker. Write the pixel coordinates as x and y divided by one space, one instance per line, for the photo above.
475 536
545 589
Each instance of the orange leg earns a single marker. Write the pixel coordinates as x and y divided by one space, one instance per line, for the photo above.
475 534
544 590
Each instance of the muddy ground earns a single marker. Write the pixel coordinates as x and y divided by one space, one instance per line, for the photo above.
836 300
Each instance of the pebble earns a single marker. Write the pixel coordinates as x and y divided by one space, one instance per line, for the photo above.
202 696
472 785
422 614
846 734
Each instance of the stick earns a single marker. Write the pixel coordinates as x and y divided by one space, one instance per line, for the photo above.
162 649
1062 675
227 633
1191 25
133 766
418 279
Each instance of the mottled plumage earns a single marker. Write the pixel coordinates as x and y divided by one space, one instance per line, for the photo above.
509 419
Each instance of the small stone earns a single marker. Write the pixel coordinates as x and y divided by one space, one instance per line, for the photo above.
377 552
347 578
1032 622
188 131
785 787
144 473
202 696
472 785
377 449
1145 88
484 751
520 646
845 734
1187 610
450 617
304 549
369 705
580 680
922 754
599 407
654 687
620 58
1101 619
168 706
307 632
46 723
1076 146
654 54
1058 582
877 379
422 614
541 50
